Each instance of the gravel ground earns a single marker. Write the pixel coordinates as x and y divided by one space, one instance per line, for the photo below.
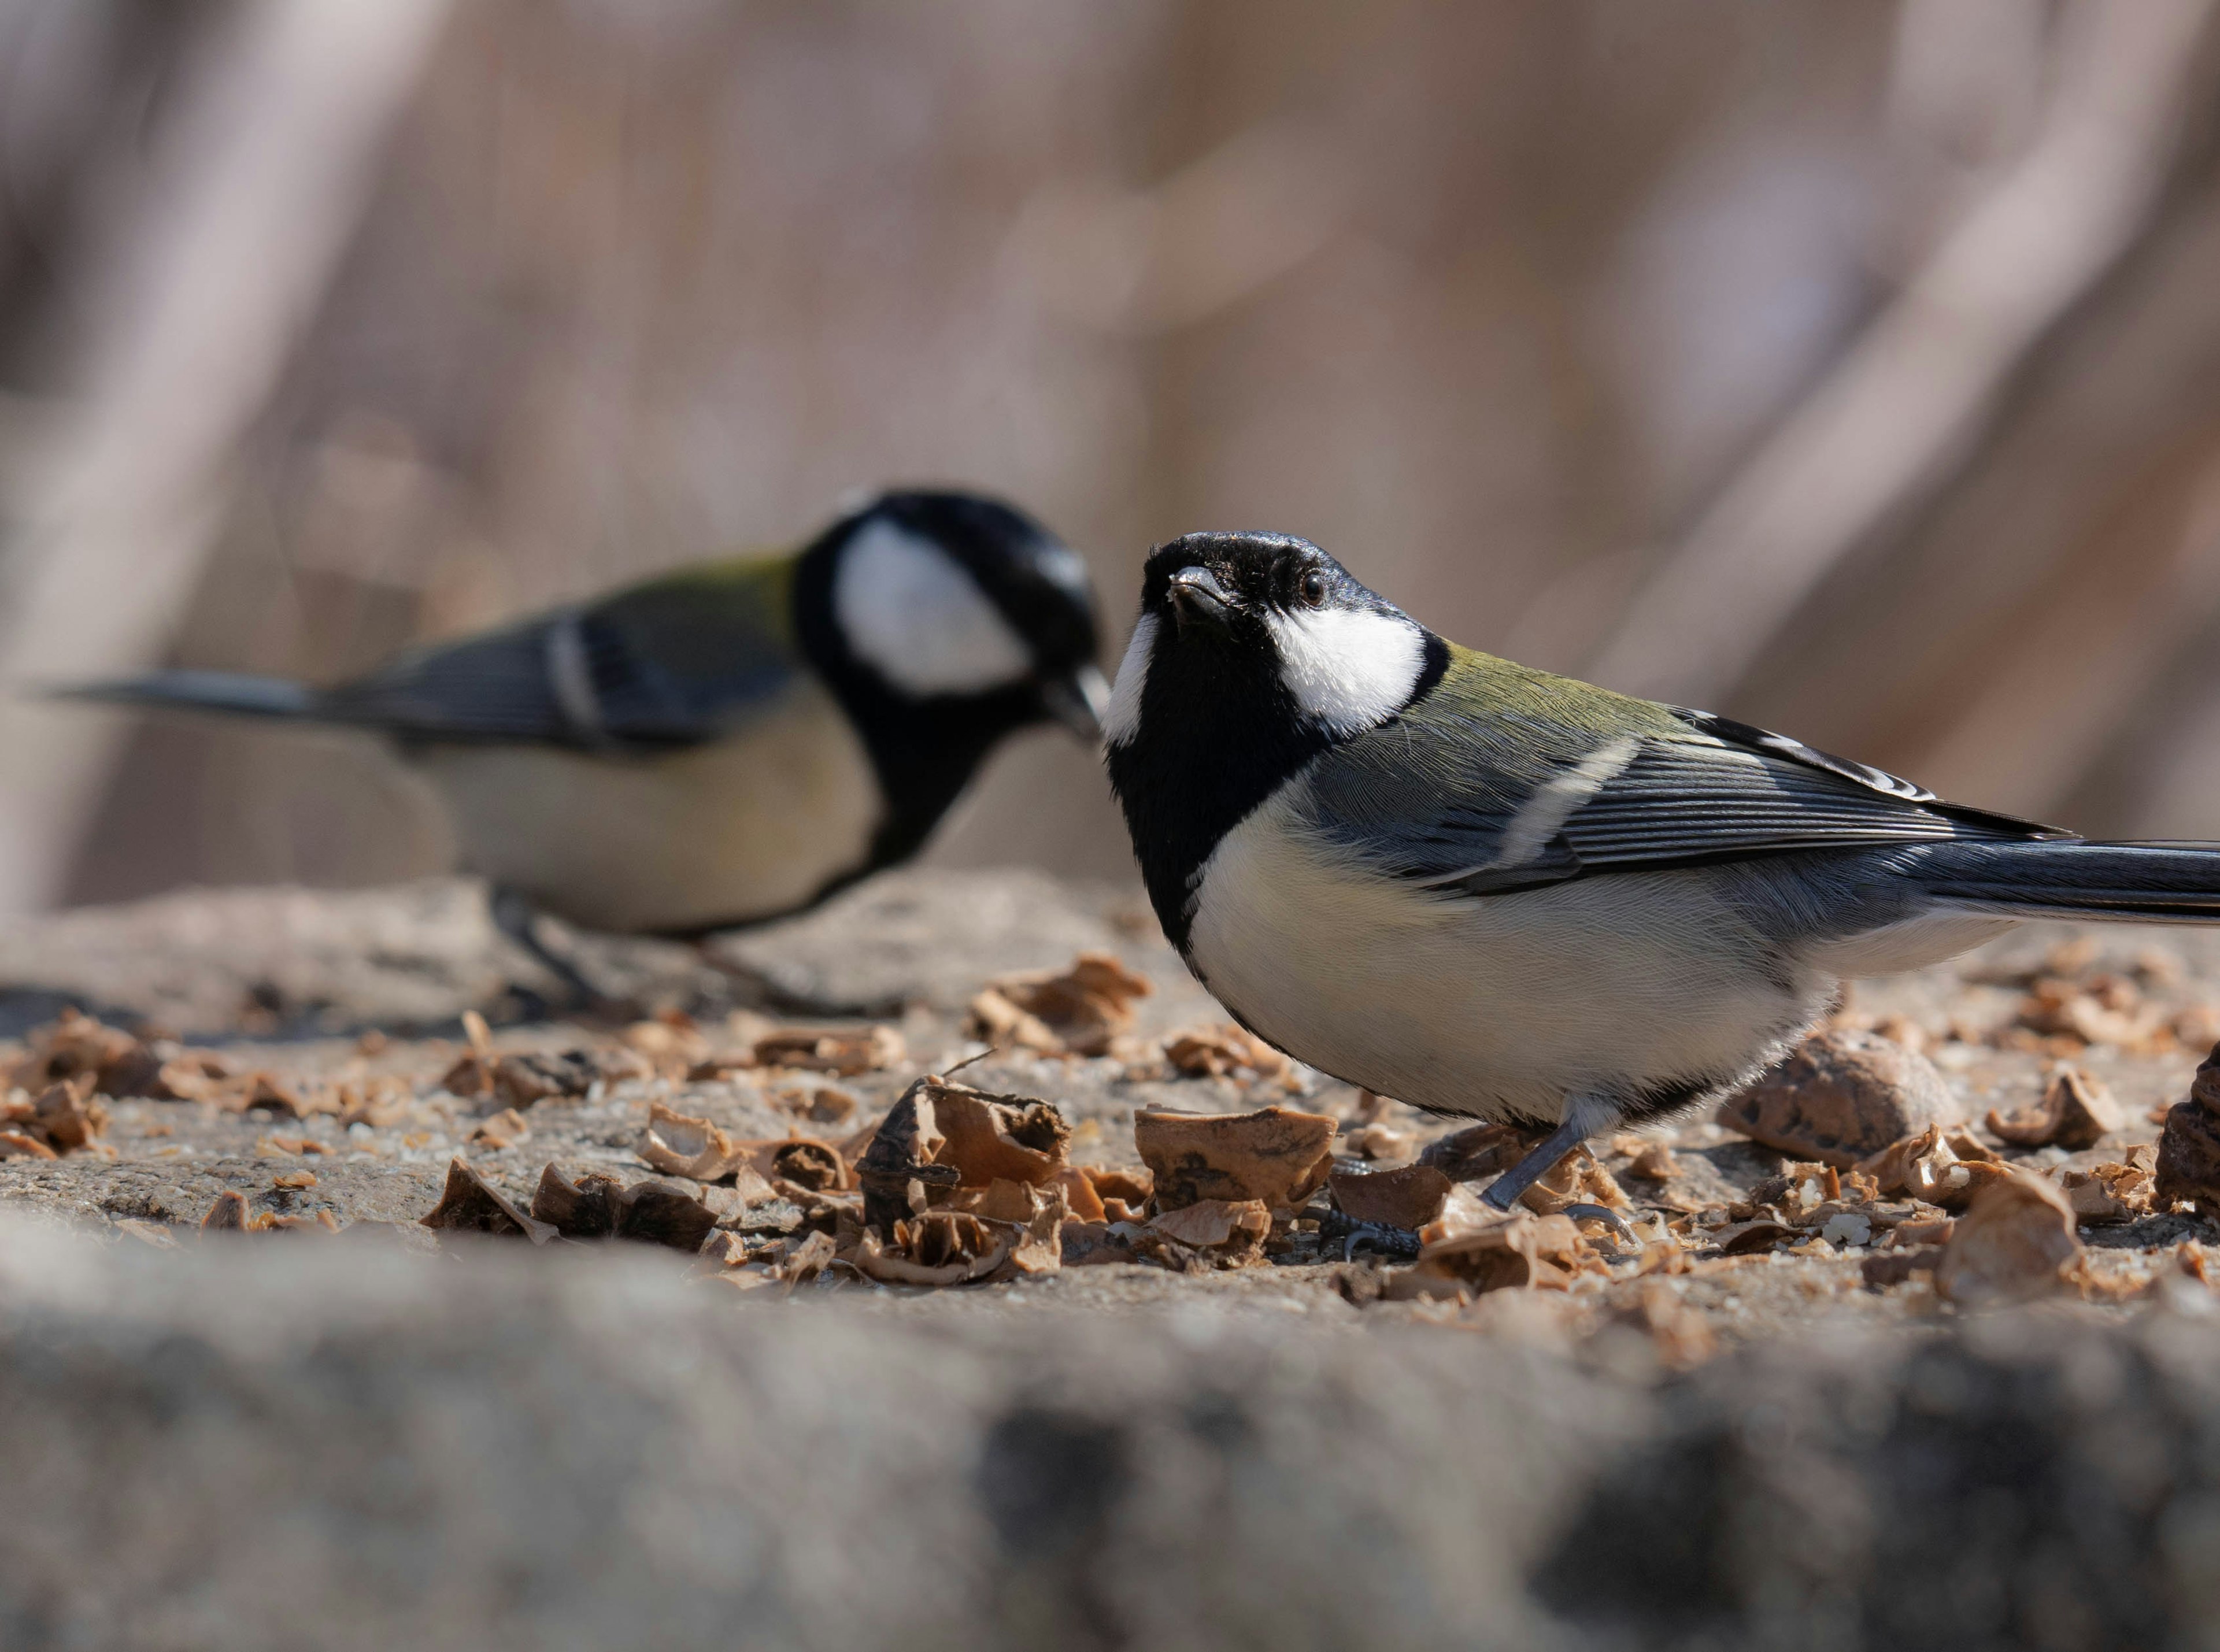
363 987
362 996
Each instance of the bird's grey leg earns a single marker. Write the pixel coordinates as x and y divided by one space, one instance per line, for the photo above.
1538 1163
1584 1117
760 991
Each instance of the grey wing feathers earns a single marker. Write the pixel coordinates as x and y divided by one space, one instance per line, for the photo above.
238 692
1484 825
653 670
1764 739
1678 801
575 678
493 688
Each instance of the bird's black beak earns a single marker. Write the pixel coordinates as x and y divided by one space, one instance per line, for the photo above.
1078 701
1197 596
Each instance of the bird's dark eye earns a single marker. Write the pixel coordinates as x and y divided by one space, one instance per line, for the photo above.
1313 590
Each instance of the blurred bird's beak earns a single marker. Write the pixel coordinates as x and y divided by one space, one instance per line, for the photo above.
1196 595
1078 701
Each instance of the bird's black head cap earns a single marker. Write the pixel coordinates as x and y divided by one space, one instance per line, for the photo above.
944 621
1037 582
1253 653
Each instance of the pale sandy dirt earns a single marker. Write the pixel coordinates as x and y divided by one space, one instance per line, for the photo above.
286 982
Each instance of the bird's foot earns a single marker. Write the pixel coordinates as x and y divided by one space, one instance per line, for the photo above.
1611 1219
1396 1243
761 992
516 917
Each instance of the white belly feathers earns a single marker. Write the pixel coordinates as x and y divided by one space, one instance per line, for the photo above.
1500 1003
750 826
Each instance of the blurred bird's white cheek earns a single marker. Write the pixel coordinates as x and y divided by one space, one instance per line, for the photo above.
1123 721
1351 669
920 620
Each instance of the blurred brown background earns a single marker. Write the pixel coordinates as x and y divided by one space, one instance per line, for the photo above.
1853 369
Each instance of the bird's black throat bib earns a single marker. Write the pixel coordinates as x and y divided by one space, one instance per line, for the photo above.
1218 734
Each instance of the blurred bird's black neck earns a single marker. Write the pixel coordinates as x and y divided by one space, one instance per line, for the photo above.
924 752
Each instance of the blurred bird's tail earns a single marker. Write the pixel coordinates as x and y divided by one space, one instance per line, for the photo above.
233 693
2132 883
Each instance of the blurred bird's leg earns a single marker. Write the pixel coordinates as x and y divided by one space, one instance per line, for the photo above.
758 990
515 917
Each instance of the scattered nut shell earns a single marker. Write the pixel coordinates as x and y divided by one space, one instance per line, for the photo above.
228 1214
586 1209
939 1248
1479 1150
1080 1197
2110 1192
896 1168
66 1119
1136 1187
1882 1268
521 1080
1576 1179
1747 1238
991 1137
1409 1197
1379 1142
2014 1242
504 1129
1224 1050
1232 1231
653 1213
1840 1097
1075 1011
1274 1154
76 1046
680 1145
842 1052
15 1144
1513 1252
2188 1170
811 1165
471 1204
2076 1112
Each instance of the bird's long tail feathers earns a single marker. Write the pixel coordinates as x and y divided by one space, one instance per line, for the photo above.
2133 883
233 693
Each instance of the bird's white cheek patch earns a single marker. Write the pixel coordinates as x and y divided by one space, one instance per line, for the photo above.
1350 669
918 618
1123 721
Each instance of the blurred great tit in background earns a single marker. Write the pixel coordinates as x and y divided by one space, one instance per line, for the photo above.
735 741
1488 890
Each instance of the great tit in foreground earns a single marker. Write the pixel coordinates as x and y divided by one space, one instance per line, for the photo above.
734 741
1488 890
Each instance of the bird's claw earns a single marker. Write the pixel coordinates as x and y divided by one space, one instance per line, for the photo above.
1396 1243
1604 1213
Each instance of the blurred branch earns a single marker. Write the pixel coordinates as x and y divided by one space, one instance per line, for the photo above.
1224 226
1907 402
270 162
2037 638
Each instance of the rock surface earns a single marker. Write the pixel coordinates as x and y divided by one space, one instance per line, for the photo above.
2031 1483
349 1445
346 1445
